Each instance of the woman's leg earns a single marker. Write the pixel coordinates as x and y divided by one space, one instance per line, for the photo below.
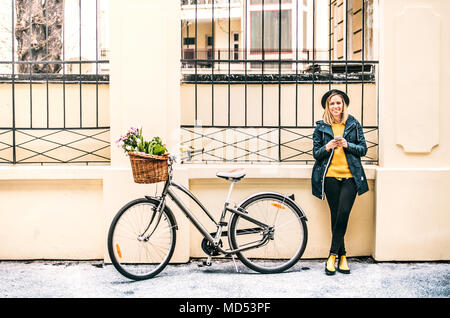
346 199
332 192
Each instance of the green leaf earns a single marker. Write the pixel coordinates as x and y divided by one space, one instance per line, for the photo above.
158 150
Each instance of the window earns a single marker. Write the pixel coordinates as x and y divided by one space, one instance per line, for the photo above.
209 40
236 46
266 22
189 41
271 31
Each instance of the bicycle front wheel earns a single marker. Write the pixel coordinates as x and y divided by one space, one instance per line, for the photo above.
283 245
141 241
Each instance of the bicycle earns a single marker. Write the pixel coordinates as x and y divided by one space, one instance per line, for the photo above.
267 230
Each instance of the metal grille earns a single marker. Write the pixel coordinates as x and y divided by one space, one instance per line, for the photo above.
56 117
255 97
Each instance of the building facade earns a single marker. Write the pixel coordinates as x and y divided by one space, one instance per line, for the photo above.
63 212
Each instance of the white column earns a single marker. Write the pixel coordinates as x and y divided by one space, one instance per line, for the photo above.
144 91
412 210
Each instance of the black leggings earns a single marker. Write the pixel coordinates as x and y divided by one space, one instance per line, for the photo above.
340 196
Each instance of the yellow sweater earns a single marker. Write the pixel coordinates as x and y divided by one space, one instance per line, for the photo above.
339 166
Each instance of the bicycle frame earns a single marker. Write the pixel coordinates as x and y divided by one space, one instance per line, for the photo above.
167 191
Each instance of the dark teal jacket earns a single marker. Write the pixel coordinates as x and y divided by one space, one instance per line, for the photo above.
357 148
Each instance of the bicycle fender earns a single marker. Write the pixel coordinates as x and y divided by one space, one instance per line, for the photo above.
167 208
285 197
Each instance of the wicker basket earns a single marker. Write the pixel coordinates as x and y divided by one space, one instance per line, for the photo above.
149 168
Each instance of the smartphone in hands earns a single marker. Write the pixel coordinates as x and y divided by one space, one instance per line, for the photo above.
338 140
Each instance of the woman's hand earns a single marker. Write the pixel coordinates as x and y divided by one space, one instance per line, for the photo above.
333 143
342 143
337 142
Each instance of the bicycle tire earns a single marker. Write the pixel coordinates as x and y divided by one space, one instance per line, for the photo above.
284 250
132 255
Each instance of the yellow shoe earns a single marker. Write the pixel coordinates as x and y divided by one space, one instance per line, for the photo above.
342 265
330 265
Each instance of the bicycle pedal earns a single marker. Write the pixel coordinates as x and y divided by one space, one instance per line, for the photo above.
206 263
203 263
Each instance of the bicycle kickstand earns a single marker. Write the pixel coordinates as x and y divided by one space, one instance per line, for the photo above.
235 265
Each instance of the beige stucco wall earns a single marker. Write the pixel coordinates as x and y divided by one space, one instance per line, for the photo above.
296 142
53 109
293 180
412 220
412 212
256 109
35 114
51 213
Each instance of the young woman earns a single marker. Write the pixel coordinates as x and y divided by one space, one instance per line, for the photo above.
338 174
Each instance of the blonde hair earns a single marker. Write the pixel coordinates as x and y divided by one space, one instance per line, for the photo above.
328 117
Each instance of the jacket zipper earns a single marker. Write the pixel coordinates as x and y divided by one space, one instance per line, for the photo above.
350 128
325 172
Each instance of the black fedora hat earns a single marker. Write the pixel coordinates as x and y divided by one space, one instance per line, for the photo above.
332 92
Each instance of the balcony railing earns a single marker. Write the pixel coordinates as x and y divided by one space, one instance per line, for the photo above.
208 65
207 57
200 2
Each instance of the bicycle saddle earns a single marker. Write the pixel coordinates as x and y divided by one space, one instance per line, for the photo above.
235 174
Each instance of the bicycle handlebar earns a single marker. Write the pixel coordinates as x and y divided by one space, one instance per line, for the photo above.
189 151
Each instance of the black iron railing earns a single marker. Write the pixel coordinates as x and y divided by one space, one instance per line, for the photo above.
56 118
216 139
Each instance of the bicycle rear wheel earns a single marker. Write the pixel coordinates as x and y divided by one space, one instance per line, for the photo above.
140 240
284 245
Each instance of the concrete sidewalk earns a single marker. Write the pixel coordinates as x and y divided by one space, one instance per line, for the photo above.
94 279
